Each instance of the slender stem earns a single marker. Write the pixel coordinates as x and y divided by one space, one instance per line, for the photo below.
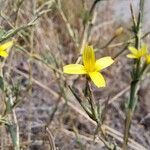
93 6
102 137
17 145
87 28
109 42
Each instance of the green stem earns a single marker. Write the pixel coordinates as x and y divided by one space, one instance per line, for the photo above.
130 111
135 80
92 102
127 127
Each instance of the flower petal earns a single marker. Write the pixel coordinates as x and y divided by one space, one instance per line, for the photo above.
3 54
98 79
103 63
147 59
133 50
144 48
6 45
89 58
132 56
74 69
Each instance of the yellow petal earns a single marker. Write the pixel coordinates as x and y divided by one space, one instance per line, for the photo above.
74 69
3 54
98 79
6 45
89 58
133 50
103 63
144 48
132 56
148 59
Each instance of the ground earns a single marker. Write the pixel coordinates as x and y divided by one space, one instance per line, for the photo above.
48 114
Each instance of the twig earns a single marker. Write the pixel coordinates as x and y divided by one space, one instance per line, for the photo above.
51 139
87 28
70 29
109 130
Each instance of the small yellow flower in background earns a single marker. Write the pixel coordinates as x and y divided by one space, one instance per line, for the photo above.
147 57
4 47
137 54
90 66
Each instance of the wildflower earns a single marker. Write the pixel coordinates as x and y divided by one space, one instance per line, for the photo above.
137 54
90 67
147 57
4 47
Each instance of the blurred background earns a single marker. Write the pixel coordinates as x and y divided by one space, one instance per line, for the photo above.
47 113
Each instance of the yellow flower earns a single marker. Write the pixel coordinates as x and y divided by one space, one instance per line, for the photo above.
147 57
4 47
137 54
90 66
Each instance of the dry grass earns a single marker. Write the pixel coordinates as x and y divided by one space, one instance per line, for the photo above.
48 115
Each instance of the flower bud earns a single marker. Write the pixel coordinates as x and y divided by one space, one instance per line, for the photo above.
118 31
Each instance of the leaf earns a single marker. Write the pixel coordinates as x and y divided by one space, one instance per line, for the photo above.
12 32
12 130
